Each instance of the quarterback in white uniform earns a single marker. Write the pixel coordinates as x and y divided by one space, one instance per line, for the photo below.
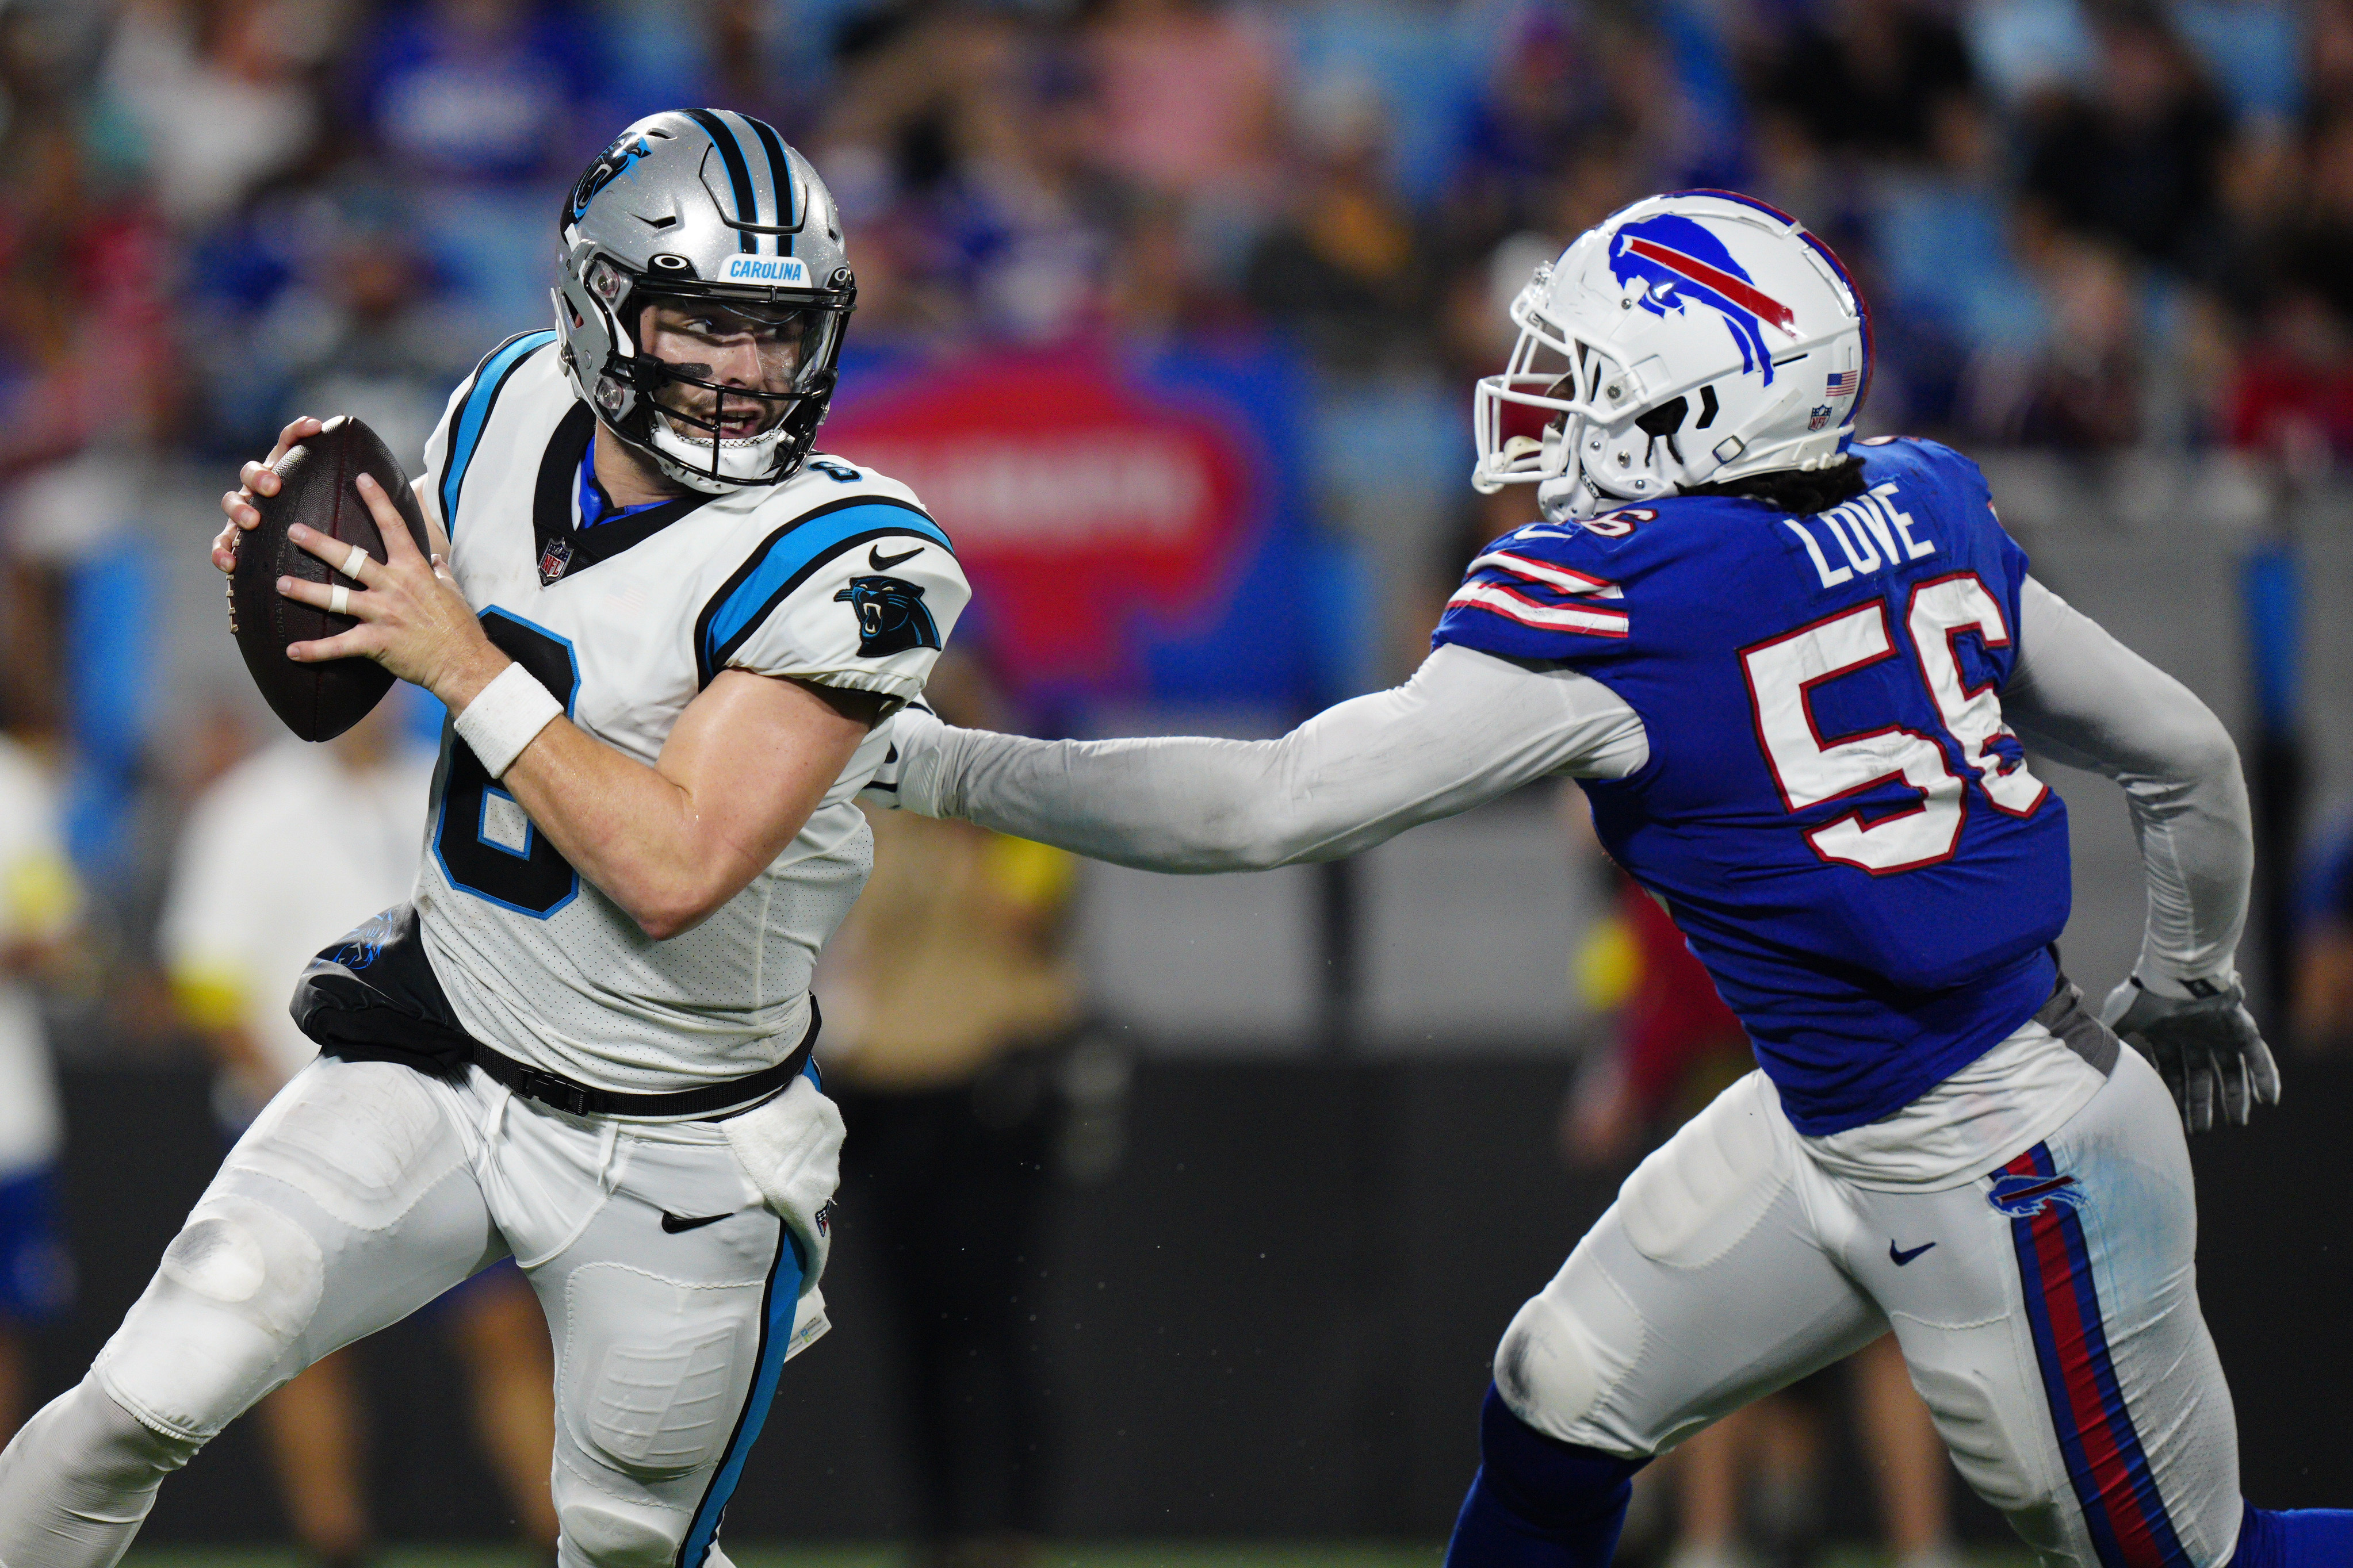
668 632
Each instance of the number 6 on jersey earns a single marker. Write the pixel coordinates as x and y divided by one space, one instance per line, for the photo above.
1811 770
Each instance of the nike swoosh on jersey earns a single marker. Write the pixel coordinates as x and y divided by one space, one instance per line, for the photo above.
881 562
674 1223
1901 1258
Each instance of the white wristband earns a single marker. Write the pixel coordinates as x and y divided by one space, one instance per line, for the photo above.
506 715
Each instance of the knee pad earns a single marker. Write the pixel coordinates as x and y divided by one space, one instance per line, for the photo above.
1567 1347
218 1324
613 1534
603 1530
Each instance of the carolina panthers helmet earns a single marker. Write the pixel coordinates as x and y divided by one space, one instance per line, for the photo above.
701 203
1688 339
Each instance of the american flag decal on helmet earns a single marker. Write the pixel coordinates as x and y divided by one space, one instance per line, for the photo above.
1843 383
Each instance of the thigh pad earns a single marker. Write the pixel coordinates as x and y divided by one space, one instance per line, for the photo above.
216 1326
1707 1187
655 1371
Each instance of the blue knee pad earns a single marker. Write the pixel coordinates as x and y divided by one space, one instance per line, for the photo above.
2294 1538
1538 1503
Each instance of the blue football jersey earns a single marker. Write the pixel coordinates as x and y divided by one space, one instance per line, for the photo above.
1833 810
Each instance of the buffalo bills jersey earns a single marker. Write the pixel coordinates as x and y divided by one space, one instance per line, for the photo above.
835 577
1833 810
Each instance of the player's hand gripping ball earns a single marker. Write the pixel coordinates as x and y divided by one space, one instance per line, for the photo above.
2206 1048
312 487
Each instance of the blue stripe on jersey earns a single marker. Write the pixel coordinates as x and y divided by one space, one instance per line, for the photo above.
789 556
775 1336
466 430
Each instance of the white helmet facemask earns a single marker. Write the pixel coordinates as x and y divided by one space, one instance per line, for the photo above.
1688 339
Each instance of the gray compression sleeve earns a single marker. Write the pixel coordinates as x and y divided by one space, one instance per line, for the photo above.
1467 728
2083 699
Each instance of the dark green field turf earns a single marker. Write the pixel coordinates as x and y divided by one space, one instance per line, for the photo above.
1092 1555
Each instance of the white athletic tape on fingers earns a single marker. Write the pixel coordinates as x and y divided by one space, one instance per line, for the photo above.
339 602
506 715
358 558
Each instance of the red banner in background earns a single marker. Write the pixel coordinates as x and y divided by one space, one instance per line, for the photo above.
1082 497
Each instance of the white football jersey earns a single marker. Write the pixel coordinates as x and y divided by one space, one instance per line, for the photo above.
835 577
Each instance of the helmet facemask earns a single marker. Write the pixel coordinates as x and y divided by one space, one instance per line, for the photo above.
1568 416
725 430
707 434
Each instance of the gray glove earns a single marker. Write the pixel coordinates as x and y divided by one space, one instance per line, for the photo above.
2199 1045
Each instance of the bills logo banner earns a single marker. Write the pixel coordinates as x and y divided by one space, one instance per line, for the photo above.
1133 527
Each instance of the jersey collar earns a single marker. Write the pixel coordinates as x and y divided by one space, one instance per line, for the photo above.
565 551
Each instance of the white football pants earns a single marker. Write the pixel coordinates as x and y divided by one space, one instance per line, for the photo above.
364 1191
2047 1310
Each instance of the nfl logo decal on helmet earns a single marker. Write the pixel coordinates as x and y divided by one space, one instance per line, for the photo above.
1686 340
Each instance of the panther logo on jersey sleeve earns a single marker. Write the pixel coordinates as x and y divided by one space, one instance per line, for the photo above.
890 615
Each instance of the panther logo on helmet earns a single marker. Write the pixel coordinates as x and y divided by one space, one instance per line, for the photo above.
610 165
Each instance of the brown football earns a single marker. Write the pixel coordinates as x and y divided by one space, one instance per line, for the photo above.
318 702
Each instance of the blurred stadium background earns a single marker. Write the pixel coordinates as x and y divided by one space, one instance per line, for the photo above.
1170 309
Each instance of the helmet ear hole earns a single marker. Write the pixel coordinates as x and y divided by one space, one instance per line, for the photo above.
1664 420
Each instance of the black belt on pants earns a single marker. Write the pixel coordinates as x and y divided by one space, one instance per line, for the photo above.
561 1093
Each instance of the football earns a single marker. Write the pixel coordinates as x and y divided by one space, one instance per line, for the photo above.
317 701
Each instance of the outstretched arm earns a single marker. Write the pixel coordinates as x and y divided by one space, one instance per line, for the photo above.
1467 728
2083 699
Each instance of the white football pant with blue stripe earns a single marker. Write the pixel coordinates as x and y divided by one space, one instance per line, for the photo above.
2048 1309
364 1191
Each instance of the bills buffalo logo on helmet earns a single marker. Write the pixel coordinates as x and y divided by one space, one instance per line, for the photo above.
890 615
1680 260
2024 1196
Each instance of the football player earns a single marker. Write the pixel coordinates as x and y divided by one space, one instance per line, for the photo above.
1793 673
667 632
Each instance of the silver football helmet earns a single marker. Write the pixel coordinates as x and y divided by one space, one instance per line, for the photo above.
702 204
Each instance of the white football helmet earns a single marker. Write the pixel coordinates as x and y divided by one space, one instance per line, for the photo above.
1688 339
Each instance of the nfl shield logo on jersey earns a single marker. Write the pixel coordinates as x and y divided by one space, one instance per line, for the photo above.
553 559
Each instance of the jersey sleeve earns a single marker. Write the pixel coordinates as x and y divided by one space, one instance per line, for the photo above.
450 450
1522 599
861 596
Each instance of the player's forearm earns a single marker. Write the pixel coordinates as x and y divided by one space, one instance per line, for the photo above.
739 775
1466 729
2085 699
625 827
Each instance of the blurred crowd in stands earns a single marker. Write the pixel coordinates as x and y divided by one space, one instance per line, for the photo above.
2085 224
